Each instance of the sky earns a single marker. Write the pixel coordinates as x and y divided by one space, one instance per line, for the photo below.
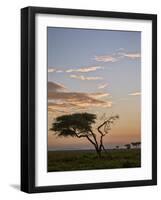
95 71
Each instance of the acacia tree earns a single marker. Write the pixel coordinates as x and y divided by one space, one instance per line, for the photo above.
80 125
136 144
128 146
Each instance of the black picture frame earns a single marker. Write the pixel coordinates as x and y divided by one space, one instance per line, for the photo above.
28 98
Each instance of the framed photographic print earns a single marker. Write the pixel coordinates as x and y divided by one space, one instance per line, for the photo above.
88 99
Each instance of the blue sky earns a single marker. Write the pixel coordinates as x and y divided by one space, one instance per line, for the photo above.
73 48
102 64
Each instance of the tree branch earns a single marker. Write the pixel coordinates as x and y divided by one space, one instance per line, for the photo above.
91 141
95 139
79 136
86 136
106 123
99 128
101 142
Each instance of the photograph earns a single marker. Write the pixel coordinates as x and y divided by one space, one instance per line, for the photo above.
94 99
89 99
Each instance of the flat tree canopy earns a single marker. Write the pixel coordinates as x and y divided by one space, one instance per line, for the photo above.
70 125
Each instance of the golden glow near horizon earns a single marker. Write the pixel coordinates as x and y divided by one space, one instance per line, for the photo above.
125 130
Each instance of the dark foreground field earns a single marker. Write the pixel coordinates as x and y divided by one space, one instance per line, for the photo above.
87 160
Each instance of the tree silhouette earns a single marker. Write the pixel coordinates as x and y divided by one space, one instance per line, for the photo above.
136 144
80 125
128 146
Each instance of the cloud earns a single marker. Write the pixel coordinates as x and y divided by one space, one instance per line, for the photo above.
51 70
80 70
102 86
76 97
120 49
135 94
83 78
65 101
99 95
77 100
85 69
52 107
131 55
59 71
53 87
105 58
118 55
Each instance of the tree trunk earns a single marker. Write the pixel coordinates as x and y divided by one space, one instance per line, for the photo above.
98 152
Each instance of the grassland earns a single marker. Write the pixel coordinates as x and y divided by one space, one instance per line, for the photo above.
88 160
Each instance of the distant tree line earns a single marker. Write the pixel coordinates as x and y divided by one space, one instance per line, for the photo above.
129 146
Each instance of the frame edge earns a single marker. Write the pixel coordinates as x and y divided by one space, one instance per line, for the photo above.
24 100
27 101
